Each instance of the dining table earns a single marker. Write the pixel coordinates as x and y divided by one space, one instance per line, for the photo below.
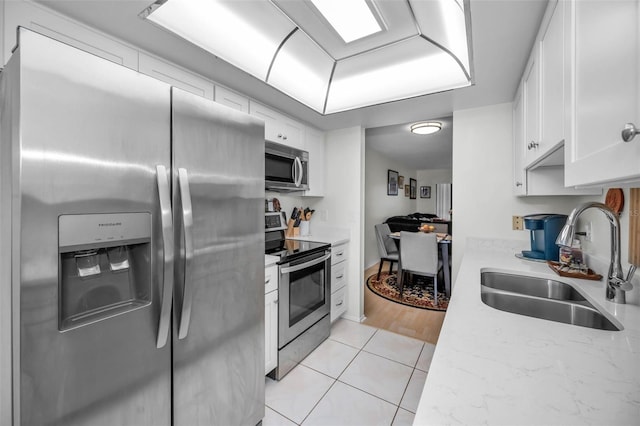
444 242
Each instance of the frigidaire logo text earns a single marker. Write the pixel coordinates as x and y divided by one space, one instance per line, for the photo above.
110 224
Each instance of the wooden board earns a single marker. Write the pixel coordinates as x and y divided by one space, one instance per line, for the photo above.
634 227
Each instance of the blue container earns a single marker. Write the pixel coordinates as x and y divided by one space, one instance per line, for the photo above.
544 231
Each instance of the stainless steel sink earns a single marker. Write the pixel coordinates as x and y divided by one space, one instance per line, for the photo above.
541 298
531 286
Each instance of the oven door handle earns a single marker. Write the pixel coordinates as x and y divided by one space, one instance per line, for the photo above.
313 262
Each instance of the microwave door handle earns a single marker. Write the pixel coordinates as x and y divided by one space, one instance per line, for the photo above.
294 170
298 176
168 254
313 262
187 223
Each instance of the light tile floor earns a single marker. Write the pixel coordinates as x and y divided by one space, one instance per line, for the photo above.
359 376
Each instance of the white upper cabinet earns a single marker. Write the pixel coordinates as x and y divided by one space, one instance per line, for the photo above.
603 91
175 76
519 174
539 114
231 99
531 85
552 81
41 19
314 144
277 127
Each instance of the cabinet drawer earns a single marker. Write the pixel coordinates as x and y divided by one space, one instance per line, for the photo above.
338 276
338 303
339 253
271 278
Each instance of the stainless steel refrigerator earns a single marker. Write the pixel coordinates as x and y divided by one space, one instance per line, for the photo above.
131 248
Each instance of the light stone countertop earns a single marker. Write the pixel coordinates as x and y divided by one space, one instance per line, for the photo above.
496 368
333 236
270 260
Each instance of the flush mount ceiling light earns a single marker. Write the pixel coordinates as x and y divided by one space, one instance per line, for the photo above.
426 127
406 48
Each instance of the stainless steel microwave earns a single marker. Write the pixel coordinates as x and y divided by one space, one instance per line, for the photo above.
285 168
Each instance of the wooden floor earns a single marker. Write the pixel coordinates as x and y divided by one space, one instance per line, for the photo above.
418 323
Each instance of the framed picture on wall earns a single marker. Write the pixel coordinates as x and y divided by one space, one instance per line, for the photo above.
392 182
401 182
425 192
407 191
414 188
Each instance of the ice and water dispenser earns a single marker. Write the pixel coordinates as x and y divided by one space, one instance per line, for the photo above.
104 264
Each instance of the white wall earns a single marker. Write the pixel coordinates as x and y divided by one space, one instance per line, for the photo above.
342 206
483 201
378 205
431 178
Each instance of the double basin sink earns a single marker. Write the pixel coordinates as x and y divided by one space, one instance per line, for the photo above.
541 298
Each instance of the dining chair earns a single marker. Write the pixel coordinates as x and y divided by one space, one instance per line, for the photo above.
386 247
419 254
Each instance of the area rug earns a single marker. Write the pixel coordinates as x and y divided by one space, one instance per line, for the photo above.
418 293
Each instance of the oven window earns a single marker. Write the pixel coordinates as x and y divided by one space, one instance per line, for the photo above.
306 292
278 169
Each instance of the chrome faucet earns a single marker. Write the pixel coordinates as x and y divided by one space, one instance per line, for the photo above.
617 285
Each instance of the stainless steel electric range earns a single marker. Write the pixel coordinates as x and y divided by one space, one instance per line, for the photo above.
303 292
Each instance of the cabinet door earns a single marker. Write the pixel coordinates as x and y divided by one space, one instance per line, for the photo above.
44 21
277 127
175 76
339 276
270 331
519 174
552 80
314 144
271 278
604 92
532 107
338 303
292 133
339 253
270 118
231 99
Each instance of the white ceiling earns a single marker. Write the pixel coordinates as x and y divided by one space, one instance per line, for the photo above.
502 34
418 152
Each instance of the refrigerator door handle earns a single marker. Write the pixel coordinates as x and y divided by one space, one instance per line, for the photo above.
167 248
187 223
300 170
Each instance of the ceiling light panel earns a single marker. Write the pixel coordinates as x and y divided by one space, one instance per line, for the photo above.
398 25
443 21
352 19
302 70
411 68
246 34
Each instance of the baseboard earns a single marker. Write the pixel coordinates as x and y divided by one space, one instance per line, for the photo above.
354 318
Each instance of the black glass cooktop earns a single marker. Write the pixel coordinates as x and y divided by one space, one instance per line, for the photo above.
289 250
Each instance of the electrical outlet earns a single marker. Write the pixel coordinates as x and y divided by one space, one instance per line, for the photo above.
588 230
518 223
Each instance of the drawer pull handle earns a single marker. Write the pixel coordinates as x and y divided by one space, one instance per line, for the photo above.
340 277
267 281
340 254
340 304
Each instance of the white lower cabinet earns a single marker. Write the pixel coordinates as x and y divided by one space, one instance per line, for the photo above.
338 303
339 273
270 331
270 318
